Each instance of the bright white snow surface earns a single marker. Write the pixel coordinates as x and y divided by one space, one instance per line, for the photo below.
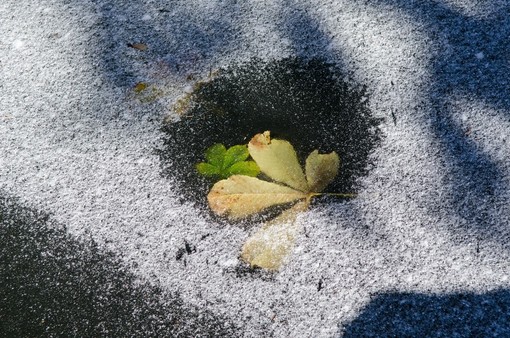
432 217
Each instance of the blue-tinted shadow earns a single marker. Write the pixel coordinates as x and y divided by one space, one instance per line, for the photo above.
422 315
52 285
470 60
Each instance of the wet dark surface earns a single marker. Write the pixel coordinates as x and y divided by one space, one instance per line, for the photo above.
305 102
52 285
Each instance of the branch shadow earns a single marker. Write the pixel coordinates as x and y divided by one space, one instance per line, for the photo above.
422 315
306 36
54 285
178 39
472 62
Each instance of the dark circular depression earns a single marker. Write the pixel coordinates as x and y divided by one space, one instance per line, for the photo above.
306 102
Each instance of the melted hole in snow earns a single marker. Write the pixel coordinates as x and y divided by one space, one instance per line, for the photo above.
309 103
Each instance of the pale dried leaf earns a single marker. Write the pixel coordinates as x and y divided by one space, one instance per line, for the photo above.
269 246
321 170
278 160
241 196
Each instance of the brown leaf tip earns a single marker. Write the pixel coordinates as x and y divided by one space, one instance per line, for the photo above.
261 140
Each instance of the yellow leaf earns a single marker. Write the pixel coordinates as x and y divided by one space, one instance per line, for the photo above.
270 245
321 170
140 86
278 160
241 196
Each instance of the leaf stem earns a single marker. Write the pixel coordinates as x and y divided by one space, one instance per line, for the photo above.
345 195
342 195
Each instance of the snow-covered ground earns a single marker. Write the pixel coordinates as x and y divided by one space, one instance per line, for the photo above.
430 228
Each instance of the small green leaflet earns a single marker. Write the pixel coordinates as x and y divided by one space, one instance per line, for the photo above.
223 162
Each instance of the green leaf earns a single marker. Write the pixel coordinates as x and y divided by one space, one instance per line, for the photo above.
215 155
223 163
208 170
247 168
235 154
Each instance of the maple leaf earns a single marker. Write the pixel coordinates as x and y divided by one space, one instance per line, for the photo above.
223 163
241 196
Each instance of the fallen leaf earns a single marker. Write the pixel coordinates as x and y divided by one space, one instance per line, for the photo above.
247 168
208 170
321 170
270 245
278 160
146 93
140 86
223 162
216 154
139 46
241 196
235 154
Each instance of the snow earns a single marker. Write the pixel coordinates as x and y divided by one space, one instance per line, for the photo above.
431 218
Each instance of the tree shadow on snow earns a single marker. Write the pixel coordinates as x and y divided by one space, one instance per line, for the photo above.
179 38
472 63
422 315
473 177
54 285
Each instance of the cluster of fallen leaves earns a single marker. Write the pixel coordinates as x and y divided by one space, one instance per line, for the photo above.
242 194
